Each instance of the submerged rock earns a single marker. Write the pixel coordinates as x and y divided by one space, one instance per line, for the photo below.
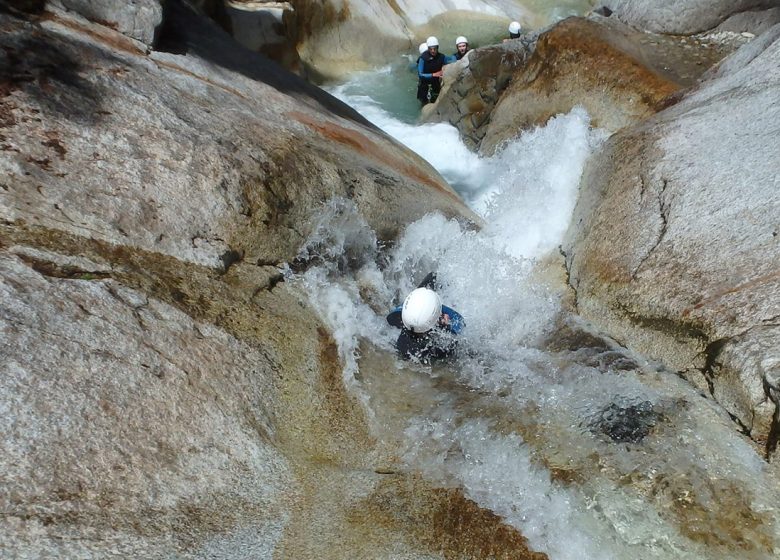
673 247
626 422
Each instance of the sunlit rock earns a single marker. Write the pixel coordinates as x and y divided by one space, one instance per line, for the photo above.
682 17
674 246
138 19
337 37
752 23
173 154
618 75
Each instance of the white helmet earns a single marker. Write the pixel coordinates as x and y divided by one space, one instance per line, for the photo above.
460 40
514 27
421 310
423 47
432 42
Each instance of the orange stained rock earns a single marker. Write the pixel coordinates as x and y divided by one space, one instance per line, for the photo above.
368 147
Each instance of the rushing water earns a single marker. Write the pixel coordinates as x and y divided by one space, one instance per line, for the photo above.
588 451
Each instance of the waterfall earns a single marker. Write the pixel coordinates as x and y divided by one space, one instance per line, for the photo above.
588 450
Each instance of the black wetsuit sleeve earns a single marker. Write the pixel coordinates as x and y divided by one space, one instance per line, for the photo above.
429 281
394 318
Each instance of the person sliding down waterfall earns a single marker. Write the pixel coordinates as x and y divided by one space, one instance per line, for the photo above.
429 70
428 328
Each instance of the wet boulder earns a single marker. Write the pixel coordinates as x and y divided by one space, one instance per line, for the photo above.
673 246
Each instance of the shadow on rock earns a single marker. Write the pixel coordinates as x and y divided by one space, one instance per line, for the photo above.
185 32
50 75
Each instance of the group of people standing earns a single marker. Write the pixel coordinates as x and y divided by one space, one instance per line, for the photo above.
430 67
430 63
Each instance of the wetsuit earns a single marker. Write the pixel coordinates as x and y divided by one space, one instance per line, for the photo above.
457 56
427 64
438 343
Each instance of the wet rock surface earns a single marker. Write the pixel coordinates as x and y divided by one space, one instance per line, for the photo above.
618 74
626 422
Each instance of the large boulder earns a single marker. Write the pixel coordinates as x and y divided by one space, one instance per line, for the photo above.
682 18
618 75
674 247
138 19
752 23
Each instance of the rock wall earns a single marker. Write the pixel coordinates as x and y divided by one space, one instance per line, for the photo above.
336 37
674 245
595 64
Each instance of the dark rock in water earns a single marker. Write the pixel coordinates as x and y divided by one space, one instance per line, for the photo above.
603 11
626 424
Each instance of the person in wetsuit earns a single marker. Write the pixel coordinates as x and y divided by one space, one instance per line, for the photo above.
514 31
429 71
462 46
428 328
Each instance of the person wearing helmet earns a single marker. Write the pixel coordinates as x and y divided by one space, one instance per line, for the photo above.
423 47
462 46
514 31
429 71
427 326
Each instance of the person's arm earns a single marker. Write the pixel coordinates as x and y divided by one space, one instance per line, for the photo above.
450 59
429 281
456 322
394 318
420 67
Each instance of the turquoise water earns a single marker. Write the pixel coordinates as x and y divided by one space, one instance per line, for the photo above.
393 88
